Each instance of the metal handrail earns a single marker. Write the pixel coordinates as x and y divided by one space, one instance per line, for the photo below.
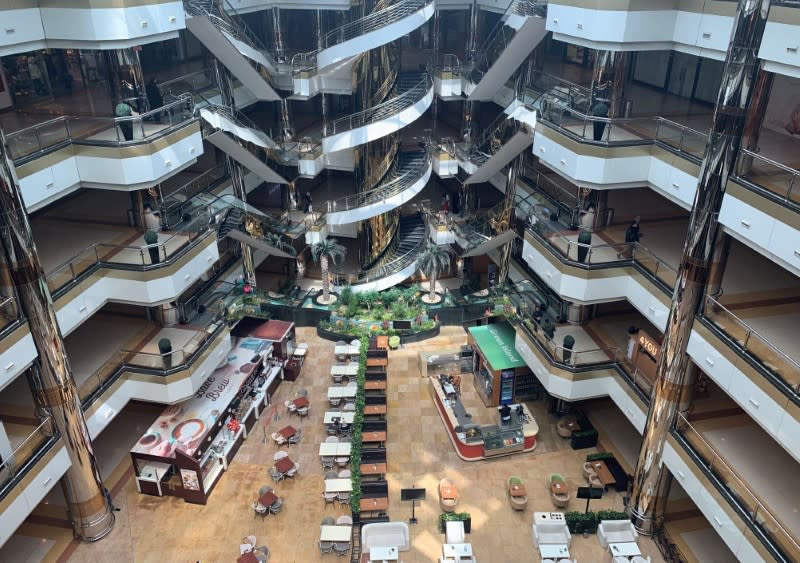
397 184
373 21
711 303
12 463
193 187
795 174
497 40
384 270
383 110
177 358
728 477
91 254
69 134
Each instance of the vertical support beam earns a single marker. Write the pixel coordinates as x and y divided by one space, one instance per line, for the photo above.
91 514
608 80
755 118
277 34
321 45
651 480
235 169
435 109
507 215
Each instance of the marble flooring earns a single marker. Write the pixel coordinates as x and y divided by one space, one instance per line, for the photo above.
167 529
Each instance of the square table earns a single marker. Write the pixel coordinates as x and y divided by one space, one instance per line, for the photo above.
346 350
335 533
373 468
372 504
383 553
606 478
375 436
334 449
457 550
248 557
301 402
517 491
344 392
300 352
267 499
287 431
374 409
284 464
338 485
553 551
626 549
377 361
345 417
349 369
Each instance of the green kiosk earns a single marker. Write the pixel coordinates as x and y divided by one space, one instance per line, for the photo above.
501 375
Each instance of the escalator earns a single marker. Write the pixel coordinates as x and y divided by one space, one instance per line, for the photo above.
518 32
408 175
232 133
252 230
397 263
500 143
234 45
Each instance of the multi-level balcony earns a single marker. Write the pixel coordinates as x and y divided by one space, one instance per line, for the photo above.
62 155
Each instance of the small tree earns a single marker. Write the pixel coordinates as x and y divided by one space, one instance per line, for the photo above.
323 252
434 261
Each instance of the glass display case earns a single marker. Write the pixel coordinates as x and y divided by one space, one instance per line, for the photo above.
502 441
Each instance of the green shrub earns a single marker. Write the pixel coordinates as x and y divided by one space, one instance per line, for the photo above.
580 522
600 456
150 236
611 515
346 295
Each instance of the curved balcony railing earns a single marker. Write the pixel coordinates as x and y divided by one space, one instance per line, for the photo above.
782 366
410 96
448 63
383 270
129 257
27 144
780 179
396 182
26 454
374 21
748 503
150 363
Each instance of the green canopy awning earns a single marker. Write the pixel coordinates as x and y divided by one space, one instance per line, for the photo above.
496 342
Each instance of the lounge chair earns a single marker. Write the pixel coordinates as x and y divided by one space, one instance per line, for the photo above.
448 495
517 501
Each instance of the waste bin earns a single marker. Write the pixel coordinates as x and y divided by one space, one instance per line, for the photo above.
608 216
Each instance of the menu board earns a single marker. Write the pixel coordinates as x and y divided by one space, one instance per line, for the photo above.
184 425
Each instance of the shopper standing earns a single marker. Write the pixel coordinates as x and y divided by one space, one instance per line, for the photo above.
632 236
599 109
154 98
126 125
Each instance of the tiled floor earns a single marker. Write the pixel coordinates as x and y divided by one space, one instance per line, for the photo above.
167 529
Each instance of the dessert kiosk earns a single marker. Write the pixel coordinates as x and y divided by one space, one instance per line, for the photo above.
187 449
281 334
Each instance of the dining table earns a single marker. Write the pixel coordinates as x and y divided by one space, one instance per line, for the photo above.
603 473
248 557
371 504
334 449
347 350
301 402
345 417
268 499
373 468
350 369
338 485
624 549
342 391
373 436
335 533
287 431
374 409
284 464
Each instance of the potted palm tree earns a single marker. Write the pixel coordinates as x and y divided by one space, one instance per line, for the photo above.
327 250
434 261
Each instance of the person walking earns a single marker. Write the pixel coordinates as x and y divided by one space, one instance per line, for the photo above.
599 109
632 236
154 98
126 125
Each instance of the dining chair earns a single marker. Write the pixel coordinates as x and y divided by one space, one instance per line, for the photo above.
275 474
341 548
332 440
355 342
344 498
326 546
342 461
344 520
331 475
276 506
263 550
328 521
334 401
337 378
296 438
278 439
290 406
329 498
293 471
303 411
302 393
349 407
258 509
280 454
327 462
333 430
264 490
343 474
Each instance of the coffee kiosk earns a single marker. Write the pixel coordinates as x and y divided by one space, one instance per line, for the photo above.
497 366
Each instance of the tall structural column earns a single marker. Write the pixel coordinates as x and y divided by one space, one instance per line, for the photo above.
506 217
651 480
235 169
755 118
92 517
280 50
608 80
323 98
126 79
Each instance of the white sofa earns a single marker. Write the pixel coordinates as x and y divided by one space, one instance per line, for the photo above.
385 534
545 533
616 531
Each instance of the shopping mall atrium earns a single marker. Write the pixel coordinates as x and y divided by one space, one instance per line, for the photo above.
399 280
